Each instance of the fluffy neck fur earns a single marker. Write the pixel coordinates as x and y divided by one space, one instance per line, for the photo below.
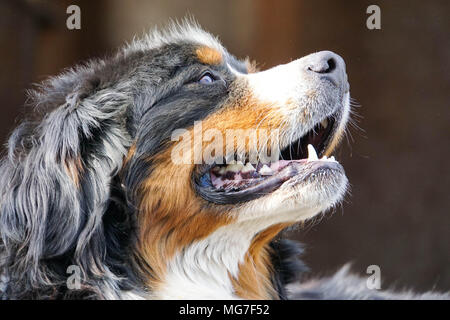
236 261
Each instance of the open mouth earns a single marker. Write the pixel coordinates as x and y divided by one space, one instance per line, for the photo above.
244 181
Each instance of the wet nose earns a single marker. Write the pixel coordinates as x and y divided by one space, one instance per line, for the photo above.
327 64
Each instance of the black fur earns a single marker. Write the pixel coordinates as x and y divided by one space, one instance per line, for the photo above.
287 264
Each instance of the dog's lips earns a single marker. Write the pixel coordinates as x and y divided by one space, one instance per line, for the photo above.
255 187
288 170
237 182
232 191
238 176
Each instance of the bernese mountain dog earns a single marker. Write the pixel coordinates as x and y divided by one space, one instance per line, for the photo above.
122 183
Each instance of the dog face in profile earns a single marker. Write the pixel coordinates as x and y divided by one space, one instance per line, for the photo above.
150 172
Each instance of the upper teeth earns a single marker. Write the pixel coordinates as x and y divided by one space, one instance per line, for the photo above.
324 123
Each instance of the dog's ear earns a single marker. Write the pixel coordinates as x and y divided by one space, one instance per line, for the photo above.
56 180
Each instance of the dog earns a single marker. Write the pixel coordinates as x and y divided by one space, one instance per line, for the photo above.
97 204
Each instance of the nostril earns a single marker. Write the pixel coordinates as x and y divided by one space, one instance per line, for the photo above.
331 65
324 66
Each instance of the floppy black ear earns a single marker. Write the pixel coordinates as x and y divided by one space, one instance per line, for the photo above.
56 183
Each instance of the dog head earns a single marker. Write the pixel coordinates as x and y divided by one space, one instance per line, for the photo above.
171 164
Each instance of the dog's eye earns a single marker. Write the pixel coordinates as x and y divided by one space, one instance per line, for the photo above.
207 78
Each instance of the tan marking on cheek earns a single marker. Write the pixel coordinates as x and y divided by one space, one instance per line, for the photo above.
249 122
254 279
246 112
208 55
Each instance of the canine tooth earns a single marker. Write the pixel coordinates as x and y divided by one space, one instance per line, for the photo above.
248 168
324 123
265 171
312 155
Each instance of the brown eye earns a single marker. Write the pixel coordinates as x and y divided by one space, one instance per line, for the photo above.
207 78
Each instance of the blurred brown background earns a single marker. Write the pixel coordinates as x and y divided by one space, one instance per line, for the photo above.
397 215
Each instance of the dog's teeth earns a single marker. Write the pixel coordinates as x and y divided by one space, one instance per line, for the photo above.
324 123
235 167
324 158
248 168
312 155
222 170
332 158
265 171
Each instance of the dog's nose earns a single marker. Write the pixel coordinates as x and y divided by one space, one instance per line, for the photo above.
326 64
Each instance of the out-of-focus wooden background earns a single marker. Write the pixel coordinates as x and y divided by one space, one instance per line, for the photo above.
398 213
